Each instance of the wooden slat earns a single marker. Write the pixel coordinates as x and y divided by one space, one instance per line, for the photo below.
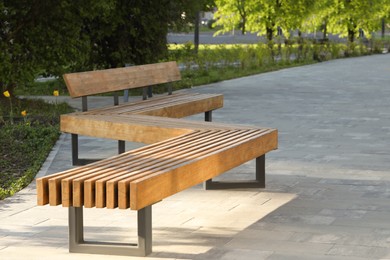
136 128
153 103
116 128
204 148
135 105
43 182
143 161
170 158
73 185
151 158
96 171
151 189
102 81
185 108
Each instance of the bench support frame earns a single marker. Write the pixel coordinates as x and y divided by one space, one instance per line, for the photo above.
75 137
77 244
259 181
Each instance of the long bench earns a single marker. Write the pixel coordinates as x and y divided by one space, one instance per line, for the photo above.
145 77
181 153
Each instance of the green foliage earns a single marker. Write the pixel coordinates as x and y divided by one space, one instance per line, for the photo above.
23 148
221 62
262 16
38 35
44 88
344 17
132 32
347 17
231 15
25 143
58 36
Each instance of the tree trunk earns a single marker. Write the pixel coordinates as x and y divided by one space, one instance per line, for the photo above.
325 31
351 35
270 33
196 33
243 27
383 27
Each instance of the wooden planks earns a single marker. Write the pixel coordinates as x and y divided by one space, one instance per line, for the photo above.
174 106
135 128
182 153
115 123
153 188
117 127
102 81
149 174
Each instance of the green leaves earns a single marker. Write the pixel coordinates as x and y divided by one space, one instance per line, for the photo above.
262 16
344 17
57 36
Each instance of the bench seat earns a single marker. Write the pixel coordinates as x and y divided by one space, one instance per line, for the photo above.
179 153
142 177
177 105
145 77
113 123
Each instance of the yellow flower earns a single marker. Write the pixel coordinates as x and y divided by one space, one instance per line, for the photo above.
56 93
23 113
6 94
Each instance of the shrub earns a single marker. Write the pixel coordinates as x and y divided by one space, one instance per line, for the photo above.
24 148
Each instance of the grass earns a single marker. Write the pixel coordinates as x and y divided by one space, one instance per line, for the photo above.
42 88
25 141
215 63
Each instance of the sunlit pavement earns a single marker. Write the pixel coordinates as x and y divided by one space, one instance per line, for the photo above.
328 184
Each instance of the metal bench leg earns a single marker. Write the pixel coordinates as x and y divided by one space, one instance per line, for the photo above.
260 171
208 117
121 146
259 181
75 149
77 244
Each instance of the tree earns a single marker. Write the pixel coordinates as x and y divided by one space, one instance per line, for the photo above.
264 16
58 36
133 32
40 35
319 17
347 17
232 14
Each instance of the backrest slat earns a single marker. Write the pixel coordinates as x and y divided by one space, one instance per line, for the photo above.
102 81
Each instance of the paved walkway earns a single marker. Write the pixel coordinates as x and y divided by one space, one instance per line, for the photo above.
328 185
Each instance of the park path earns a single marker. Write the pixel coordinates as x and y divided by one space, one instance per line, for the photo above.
328 184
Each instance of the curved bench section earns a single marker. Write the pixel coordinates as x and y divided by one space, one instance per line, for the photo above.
179 153
142 177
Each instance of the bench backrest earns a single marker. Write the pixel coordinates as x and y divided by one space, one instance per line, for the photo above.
110 80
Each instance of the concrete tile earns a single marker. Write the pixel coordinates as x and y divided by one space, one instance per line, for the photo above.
279 246
358 251
322 238
264 234
303 256
244 254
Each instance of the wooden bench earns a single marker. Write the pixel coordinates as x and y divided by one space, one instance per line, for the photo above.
180 154
176 105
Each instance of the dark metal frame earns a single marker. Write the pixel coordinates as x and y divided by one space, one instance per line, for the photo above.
75 138
147 92
77 244
259 181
